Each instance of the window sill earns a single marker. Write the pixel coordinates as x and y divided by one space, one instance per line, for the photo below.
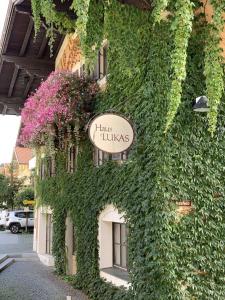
116 276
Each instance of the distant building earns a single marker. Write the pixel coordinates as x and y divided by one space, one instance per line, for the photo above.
20 163
5 169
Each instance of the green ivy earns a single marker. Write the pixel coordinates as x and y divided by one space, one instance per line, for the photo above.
53 19
159 7
36 10
90 28
214 64
90 25
170 257
182 27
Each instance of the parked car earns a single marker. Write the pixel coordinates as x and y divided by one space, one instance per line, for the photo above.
3 214
19 220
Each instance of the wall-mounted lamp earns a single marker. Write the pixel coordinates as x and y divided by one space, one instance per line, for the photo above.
201 104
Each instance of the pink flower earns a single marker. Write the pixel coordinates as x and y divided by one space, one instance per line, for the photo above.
58 100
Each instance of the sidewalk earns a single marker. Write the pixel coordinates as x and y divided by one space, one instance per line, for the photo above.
30 280
27 278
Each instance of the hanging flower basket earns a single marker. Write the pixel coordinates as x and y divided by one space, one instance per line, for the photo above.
62 104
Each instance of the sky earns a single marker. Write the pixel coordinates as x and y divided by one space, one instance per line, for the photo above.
9 125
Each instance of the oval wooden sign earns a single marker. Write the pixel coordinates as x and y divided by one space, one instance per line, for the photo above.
111 133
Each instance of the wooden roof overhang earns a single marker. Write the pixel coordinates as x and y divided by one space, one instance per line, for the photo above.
24 59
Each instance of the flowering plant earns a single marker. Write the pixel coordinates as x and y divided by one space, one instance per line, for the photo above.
61 105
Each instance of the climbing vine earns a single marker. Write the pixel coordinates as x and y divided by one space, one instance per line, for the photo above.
214 63
182 27
53 19
90 27
171 256
36 9
159 7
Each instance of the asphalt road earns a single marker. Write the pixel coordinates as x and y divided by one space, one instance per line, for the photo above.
27 278
15 243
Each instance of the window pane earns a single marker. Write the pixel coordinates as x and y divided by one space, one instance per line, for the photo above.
124 256
105 60
123 234
100 157
125 155
74 240
116 156
116 260
49 233
116 233
72 159
105 156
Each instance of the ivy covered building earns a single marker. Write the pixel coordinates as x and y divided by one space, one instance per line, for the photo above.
147 223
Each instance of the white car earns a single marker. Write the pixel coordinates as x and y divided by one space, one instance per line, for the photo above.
3 214
17 220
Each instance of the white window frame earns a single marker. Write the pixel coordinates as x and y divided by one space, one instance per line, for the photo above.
106 219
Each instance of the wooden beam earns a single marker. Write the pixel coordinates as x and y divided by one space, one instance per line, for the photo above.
59 46
13 81
13 111
38 73
4 109
28 62
31 65
7 33
28 86
11 100
22 10
27 37
43 46
1 65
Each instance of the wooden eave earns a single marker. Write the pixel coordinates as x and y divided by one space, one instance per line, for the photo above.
24 59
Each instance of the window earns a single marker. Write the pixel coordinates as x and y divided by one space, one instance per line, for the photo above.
100 70
49 233
50 161
74 240
113 250
100 157
42 172
120 245
102 62
72 159
47 167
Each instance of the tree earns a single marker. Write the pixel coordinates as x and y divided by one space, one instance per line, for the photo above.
15 185
23 194
9 187
4 190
